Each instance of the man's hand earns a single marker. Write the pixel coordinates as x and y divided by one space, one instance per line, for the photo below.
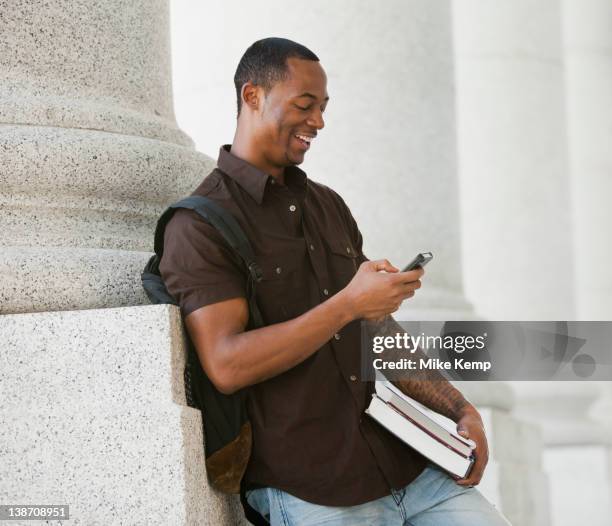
470 426
374 294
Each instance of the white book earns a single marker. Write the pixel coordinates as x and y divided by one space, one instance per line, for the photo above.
419 439
440 427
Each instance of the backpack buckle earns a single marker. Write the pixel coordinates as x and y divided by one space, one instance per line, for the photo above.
256 272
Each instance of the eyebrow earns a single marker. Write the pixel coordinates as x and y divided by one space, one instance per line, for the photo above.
311 96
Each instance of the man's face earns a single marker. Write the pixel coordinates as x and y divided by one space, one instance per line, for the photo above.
292 113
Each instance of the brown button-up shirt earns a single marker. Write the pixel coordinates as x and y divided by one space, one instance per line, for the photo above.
311 437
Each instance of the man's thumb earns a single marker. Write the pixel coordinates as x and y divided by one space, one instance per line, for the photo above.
383 264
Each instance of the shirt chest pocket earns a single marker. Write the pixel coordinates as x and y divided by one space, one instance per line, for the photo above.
282 293
343 261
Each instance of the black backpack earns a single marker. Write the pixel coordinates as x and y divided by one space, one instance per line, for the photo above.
225 422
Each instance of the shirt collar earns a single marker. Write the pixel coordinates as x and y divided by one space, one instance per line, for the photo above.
253 180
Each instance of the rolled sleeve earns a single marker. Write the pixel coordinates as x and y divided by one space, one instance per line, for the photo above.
198 267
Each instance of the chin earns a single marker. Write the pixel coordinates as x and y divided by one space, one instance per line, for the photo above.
294 160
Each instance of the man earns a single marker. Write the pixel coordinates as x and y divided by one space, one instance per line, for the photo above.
316 457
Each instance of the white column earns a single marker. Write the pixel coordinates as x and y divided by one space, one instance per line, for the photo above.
587 454
90 153
575 415
517 235
587 26
512 159
587 29
517 191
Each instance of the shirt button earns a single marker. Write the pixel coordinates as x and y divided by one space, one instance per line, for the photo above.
292 208
272 180
278 270
311 247
348 250
337 336
326 292
353 378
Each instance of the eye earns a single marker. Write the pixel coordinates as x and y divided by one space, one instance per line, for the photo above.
301 108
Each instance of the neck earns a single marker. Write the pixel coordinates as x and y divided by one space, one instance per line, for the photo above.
244 147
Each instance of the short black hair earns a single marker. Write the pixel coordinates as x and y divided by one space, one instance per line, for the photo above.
264 63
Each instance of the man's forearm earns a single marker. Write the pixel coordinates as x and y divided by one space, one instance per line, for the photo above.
253 356
428 387
438 395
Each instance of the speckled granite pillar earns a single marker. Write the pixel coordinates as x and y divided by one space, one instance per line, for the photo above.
90 153
93 415
92 404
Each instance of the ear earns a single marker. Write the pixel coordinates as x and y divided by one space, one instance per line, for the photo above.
251 96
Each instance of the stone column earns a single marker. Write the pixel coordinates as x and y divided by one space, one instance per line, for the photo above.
588 66
587 29
513 168
92 403
102 425
90 153
517 180
575 416
518 256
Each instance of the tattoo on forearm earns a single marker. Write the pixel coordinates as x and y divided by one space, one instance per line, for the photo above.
429 387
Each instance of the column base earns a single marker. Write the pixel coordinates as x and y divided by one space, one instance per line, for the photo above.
95 414
580 484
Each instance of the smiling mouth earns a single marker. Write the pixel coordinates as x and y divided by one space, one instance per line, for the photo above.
304 140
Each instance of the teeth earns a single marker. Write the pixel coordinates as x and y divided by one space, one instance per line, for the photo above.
304 138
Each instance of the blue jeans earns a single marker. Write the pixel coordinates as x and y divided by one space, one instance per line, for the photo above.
432 499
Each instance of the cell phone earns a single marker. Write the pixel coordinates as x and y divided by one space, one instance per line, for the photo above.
419 261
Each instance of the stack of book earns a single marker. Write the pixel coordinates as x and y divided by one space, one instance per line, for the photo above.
431 434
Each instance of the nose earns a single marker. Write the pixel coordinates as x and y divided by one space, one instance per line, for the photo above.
315 119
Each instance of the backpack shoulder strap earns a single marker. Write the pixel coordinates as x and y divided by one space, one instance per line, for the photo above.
225 223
